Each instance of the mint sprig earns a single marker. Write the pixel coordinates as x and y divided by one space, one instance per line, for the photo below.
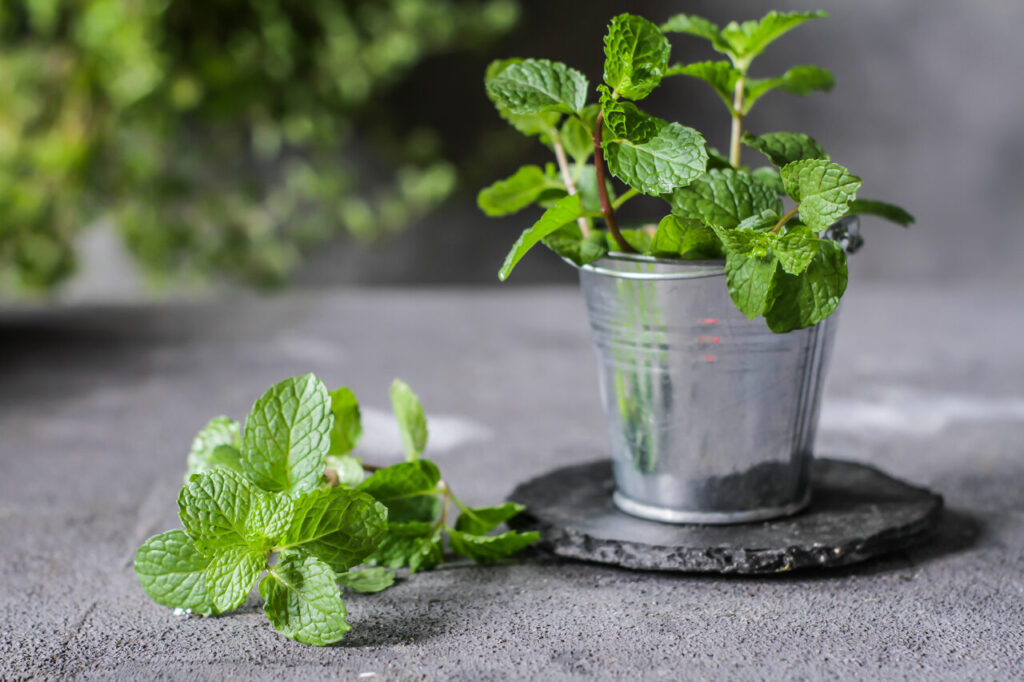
769 223
270 507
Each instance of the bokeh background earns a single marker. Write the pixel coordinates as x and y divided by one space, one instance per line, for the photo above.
170 148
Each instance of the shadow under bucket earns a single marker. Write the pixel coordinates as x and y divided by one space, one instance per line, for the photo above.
711 416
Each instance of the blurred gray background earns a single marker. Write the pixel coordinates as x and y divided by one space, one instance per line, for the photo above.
927 107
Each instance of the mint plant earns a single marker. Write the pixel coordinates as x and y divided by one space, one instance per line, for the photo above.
286 505
781 263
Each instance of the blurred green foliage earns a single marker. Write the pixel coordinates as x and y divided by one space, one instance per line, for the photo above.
219 137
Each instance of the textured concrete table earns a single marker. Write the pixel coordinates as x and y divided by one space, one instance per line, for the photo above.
97 408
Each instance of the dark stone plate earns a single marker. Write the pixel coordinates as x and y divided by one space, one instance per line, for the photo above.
856 512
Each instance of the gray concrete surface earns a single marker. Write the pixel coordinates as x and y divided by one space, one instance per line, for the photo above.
97 408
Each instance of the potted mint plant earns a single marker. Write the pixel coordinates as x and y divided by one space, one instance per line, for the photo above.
711 327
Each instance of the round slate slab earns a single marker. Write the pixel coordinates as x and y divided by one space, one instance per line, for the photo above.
856 512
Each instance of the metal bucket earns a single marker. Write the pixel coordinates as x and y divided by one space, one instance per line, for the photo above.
711 416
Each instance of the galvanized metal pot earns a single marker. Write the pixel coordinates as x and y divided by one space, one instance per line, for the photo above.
711 416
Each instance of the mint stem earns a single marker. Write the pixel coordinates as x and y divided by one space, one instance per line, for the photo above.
570 186
735 150
785 219
602 188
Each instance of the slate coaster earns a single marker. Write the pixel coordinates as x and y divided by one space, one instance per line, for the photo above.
856 512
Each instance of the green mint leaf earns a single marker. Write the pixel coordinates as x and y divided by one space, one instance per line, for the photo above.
220 431
413 544
684 238
287 435
577 138
412 422
481 520
806 299
586 186
534 86
770 178
269 518
717 159
881 209
796 247
516 192
700 27
823 189
724 198
348 423
566 211
626 120
231 574
170 570
215 507
367 580
568 242
721 76
799 80
535 125
785 148
749 39
347 470
226 457
749 279
638 238
408 490
486 549
338 526
302 601
672 158
636 56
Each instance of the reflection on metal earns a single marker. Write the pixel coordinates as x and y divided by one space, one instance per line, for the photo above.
846 231
711 416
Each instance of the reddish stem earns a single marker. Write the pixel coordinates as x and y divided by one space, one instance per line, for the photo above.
602 188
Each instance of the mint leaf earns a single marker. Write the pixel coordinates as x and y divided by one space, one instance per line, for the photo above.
881 209
717 159
626 120
799 80
231 574
636 56
412 422
487 549
785 148
302 601
225 457
723 198
770 178
516 192
684 238
413 544
269 518
700 27
796 247
338 526
674 156
577 139
408 490
346 469
806 299
170 570
367 580
214 508
568 242
822 188
749 39
287 435
749 279
542 124
638 238
721 76
219 431
348 424
567 210
481 520
533 86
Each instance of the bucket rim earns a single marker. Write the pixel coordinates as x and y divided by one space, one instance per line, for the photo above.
676 268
